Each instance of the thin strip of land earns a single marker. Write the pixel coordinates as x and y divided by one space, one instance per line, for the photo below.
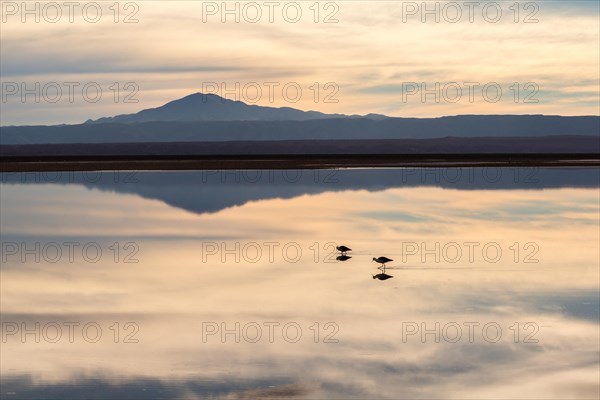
576 151
293 161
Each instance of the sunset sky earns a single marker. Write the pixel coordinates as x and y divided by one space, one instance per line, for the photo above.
372 60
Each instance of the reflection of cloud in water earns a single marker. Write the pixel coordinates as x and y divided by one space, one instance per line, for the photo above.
24 387
443 371
171 291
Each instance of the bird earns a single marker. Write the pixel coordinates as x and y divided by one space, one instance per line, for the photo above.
343 249
382 260
343 257
382 277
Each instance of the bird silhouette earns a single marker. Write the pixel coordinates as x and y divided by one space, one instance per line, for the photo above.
382 260
343 249
382 277
343 257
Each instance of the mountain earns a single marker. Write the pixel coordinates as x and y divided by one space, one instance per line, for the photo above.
466 126
209 118
210 107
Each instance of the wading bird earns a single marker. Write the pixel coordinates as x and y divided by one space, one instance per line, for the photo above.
382 260
343 249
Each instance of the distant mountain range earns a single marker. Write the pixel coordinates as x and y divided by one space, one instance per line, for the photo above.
210 107
210 118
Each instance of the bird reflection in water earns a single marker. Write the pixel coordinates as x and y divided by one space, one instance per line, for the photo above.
343 257
382 277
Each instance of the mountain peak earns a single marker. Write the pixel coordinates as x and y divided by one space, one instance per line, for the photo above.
211 107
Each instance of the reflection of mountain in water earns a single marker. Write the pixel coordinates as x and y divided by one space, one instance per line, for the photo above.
25 387
212 191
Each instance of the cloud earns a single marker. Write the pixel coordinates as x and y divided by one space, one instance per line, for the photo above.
368 53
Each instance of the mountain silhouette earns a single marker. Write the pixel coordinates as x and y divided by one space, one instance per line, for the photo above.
209 118
210 107
341 129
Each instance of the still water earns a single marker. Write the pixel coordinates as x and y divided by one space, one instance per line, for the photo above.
228 284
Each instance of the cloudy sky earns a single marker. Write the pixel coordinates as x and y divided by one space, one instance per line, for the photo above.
394 58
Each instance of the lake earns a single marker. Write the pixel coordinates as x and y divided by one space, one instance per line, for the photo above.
228 284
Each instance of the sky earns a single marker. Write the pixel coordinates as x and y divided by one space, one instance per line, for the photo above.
404 59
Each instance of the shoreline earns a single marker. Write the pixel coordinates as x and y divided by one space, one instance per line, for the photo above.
291 161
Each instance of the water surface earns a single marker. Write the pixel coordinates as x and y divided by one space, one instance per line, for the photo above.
225 284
